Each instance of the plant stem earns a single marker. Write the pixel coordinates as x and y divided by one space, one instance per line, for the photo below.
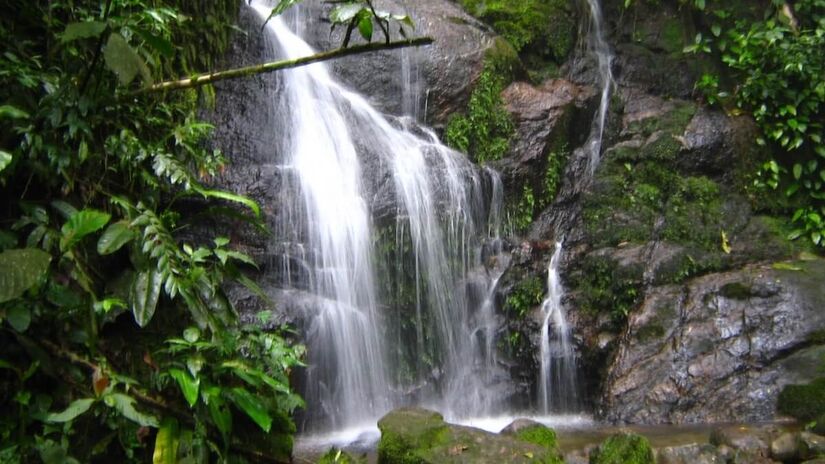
210 78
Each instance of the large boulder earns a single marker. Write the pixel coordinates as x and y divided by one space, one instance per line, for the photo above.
435 79
718 348
419 436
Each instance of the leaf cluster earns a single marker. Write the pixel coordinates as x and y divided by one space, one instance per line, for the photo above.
95 269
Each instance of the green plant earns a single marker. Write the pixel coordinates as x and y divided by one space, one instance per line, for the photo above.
95 269
776 66
485 131
525 296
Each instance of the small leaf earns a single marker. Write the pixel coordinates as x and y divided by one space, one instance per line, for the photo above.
74 410
124 61
5 159
81 224
145 294
345 13
161 45
125 405
115 236
797 171
249 203
365 27
725 243
218 410
188 386
12 112
192 334
167 442
252 406
20 270
82 30
19 316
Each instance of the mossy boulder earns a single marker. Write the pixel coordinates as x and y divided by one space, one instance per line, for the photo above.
419 436
803 402
623 449
532 432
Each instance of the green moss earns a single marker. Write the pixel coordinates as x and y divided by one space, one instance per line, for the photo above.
623 449
673 122
817 337
541 27
803 402
664 148
485 130
525 296
694 213
604 286
539 435
405 433
650 332
554 168
736 291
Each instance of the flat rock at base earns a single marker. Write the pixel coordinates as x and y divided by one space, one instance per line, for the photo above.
785 448
419 436
689 454
811 445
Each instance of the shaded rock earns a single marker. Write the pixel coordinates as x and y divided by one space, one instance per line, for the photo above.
811 445
785 447
412 435
689 454
623 449
754 441
546 117
437 78
336 456
803 402
727 343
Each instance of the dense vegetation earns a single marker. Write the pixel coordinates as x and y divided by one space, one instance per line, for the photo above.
117 341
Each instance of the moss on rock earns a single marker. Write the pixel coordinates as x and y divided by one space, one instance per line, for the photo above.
538 434
803 402
623 449
336 456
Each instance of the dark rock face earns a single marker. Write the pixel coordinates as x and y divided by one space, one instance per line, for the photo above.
447 69
718 348
556 111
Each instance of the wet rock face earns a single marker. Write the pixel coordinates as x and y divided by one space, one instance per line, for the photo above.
718 348
447 69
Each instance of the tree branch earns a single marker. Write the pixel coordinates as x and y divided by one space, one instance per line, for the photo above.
210 78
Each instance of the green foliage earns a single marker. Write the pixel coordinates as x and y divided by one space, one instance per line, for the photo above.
526 295
604 286
539 435
803 402
775 66
484 132
103 183
543 27
623 449
556 162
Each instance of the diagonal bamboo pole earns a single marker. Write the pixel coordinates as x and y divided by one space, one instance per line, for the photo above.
210 78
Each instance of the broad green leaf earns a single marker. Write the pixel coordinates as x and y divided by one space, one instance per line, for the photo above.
82 30
145 293
345 13
12 112
5 159
167 442
282 6
786 267
125 405
218 410
124 61
67 210
115 236
19 316
20 270
251 204
365 27
161 45
252 406
797 171
189 386
81 224
74 410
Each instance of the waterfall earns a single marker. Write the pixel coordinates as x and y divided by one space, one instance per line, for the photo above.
369 351
599 47
557 376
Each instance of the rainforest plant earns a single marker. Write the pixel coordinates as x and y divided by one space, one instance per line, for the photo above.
117 342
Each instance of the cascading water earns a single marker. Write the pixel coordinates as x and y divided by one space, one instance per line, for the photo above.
557 375
599 47
368 354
